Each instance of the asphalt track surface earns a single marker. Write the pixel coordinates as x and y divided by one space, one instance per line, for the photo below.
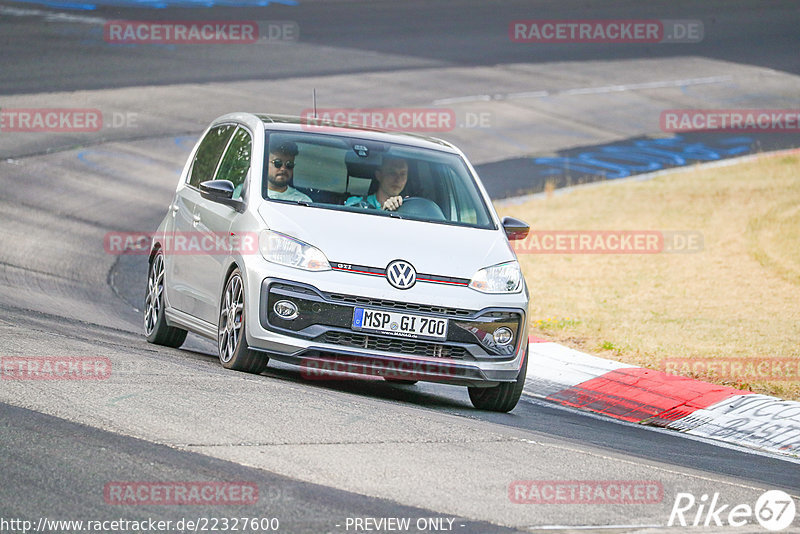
320 452
382 35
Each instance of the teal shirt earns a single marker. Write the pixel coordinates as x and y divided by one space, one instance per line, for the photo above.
290 194
372 200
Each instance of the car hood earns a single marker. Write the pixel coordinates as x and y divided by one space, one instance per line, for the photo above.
374 240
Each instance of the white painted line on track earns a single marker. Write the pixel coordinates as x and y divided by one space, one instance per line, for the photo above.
50 16
533 398
647 85
586 90
591 527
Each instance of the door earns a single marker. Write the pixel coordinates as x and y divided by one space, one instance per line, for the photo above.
213 223
181 264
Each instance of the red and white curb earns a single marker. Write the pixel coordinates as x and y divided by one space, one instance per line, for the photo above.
649 397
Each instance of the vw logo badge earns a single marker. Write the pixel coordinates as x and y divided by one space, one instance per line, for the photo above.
401 274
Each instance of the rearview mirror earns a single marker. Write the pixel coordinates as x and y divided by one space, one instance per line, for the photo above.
515 229
221 191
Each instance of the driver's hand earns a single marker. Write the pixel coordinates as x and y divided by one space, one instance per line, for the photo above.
392 203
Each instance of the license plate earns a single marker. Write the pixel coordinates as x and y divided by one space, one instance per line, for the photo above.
399 324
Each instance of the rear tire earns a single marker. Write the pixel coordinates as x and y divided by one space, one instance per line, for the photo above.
234 353
155 323
502 397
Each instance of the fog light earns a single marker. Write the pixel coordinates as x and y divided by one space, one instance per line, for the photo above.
503 336
285 309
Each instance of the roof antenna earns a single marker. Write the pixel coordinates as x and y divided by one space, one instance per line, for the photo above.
314 100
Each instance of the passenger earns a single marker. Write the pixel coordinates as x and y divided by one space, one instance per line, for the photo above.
392 176
280 170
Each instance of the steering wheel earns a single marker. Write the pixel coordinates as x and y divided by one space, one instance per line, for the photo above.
363 204
421 207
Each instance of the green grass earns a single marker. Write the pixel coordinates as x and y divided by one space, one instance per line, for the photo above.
737 297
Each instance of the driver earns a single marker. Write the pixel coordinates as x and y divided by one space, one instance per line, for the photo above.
392 176
280 171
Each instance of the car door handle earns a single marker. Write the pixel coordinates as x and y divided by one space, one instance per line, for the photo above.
174 208
195 220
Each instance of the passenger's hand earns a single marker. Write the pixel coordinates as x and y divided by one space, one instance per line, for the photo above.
392 203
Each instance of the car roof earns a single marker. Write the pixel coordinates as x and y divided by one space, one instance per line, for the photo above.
302 124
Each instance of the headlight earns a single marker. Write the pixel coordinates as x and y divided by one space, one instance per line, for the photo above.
285 250
502 278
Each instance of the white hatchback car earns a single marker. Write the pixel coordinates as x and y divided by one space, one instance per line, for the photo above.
344 250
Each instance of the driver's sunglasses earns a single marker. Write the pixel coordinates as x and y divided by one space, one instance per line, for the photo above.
278 164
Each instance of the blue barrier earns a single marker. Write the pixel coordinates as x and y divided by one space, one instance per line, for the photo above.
645 155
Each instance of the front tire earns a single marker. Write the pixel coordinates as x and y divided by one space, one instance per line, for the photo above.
234 353
155 323
502 397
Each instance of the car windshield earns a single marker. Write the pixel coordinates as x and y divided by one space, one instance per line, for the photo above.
358 175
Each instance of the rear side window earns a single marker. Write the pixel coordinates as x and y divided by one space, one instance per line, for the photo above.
209 153
236 161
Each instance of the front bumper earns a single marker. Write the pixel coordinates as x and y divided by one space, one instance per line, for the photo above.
322 341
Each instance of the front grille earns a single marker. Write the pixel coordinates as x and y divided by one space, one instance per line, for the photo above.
401 306
403 346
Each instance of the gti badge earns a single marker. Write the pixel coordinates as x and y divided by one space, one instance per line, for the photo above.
401 274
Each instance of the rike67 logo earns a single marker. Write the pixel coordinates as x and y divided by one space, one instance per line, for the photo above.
774 510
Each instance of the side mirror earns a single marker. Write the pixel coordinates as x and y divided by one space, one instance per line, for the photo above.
221 191
515 229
